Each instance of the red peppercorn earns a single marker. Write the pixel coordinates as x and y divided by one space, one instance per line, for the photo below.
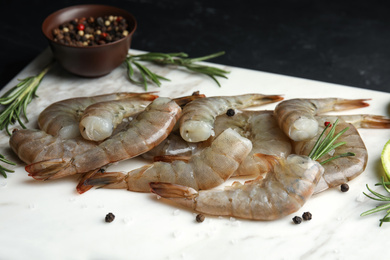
103 35
80 27
328 124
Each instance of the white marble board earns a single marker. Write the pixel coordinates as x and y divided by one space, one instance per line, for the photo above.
49 220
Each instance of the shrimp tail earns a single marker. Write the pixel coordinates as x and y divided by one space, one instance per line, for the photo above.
347 104
266 99
182 101
147 96
171 158
82 186
110 180
182 195
375 122
267 161
51 169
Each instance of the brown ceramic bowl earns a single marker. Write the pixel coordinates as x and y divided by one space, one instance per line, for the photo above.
89 61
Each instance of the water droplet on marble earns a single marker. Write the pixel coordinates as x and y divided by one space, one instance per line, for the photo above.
3 183
127 220
176 212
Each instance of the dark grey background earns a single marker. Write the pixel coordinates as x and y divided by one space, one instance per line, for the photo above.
344 42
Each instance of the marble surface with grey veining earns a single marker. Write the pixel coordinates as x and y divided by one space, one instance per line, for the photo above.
49 220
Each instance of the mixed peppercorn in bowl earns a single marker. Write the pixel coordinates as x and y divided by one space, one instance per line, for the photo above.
90 40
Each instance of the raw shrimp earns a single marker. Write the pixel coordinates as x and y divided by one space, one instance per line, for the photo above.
207 169
62 118
173 146
32 145
145 132
262 129
99 120
296 116
343 169
197 121
281 192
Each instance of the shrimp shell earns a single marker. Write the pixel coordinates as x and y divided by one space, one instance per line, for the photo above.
296 116
197 121
278 194
32 145
207 169
343 169
100 119
262 129
62 118
145 132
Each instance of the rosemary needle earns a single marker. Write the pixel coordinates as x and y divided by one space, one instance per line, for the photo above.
3 170
15 100
325 145
178 59
379 197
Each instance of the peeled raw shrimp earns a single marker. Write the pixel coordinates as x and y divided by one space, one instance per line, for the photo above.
207 169
296 116
281 192
62 118
145 132
197 121
343 169
99 120
32 145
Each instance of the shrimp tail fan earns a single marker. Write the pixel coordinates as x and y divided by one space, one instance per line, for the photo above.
374 121
266 99
50 169
82 186
110 180
182 195
347 104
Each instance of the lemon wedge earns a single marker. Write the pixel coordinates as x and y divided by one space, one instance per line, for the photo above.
385 158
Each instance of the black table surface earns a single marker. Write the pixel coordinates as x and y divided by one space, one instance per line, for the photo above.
343 42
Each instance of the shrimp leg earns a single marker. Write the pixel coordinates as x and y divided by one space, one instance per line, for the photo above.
281 193
208 169
296 116
197 121
145 132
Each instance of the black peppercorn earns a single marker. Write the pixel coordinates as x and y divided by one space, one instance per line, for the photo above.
110 217
306 216
230 112
344 187
200 218
297 220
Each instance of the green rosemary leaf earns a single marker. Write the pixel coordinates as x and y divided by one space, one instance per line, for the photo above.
16 100
375 210
4 170
179 59
338 156
386 218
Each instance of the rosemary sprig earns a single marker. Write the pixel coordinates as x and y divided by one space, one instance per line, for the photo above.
3 170
325 144
379 197
178 59
15 100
